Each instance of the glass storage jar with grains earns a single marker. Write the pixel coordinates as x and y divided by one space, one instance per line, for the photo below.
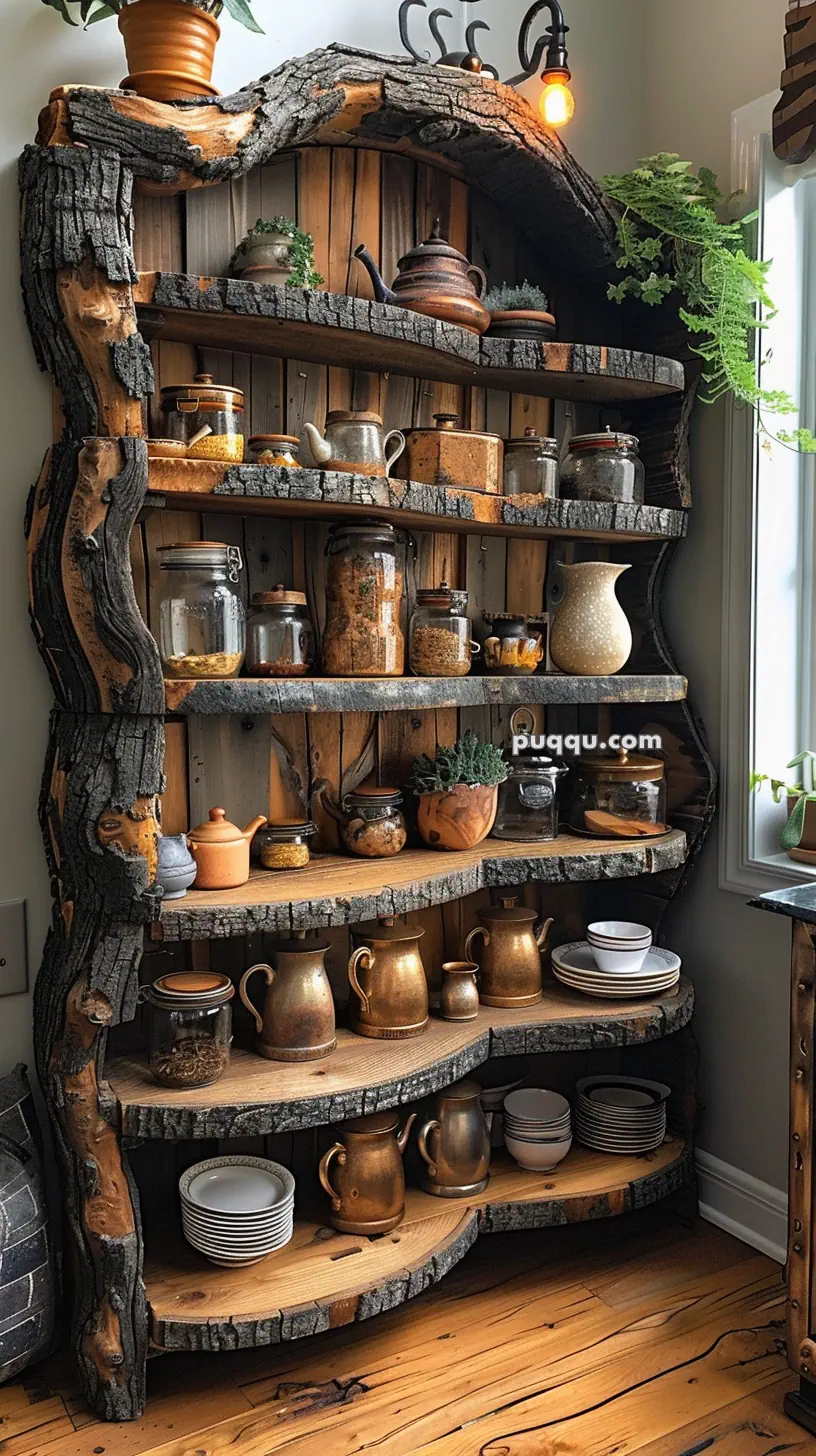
619 796
441 644
280 636
189 1027
209 417
363 636
604 467
202 625
531 465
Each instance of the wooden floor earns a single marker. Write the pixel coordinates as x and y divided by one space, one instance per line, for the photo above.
637 1335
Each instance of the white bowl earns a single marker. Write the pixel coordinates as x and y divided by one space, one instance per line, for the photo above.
614 961
535 1104
537 1157
622 933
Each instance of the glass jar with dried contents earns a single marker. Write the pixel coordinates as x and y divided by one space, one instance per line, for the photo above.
189 1027
440 642
363 636
619 796
209 417
531 465
604 467
371 821
283 844
275 450
202 624
280 636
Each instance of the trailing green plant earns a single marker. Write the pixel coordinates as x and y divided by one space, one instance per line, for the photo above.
671 239
301 251
89 11
471 761
803 793
509 297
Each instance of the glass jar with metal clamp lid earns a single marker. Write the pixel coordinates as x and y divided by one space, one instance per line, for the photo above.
202 624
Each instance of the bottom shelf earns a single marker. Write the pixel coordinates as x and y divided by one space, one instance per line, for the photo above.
324 1279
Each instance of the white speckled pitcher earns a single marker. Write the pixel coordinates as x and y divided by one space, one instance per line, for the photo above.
591 636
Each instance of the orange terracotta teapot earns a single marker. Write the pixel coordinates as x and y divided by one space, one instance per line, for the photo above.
221 851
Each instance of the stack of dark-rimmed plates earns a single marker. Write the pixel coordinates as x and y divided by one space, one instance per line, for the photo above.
620 1114
575 966
235 1210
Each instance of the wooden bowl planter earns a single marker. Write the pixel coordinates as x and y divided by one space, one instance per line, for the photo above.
170 47
457 818
522 323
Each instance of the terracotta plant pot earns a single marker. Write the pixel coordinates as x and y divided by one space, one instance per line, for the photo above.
459 818
170 49
522 323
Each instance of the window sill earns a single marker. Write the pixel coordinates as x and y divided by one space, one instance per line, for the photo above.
771 872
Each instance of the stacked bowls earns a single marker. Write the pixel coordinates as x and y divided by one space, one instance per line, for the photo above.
537 1128
235 1210
619 945
496 1079
621 1114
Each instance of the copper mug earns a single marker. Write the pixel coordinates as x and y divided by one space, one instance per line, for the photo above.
297 1024
387 976
455 1144
510 959
368 1188
459 997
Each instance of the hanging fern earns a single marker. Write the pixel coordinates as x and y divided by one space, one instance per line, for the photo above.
671 239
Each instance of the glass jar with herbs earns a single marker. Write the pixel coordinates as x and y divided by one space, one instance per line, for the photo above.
363 636
189 1028
202 625
604 467
440 640
280 636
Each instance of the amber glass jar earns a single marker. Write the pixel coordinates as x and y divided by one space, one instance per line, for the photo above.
189 1028
280 636
190 408
202 627
363 636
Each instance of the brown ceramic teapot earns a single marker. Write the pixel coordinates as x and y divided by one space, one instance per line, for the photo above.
368 1192
434 279
388 979
510 960
221 851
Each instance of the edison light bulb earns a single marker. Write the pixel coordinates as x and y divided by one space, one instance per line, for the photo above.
556 103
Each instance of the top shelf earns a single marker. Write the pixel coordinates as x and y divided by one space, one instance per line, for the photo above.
354 333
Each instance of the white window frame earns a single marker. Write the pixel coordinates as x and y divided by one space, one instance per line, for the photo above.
769 531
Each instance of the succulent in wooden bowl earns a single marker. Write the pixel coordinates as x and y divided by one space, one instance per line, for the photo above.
458 792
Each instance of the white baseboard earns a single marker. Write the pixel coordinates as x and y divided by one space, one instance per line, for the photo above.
744 1206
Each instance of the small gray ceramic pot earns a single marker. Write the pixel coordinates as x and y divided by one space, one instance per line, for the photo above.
177 868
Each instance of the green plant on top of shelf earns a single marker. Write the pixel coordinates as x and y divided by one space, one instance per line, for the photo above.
92 10
672 240
512 297
471 762
802 794
301 249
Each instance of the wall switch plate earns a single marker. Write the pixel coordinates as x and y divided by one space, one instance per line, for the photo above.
13 957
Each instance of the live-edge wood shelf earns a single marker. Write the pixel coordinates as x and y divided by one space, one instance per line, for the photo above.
204 485
329 328
338 890
324 1279
256 1097
250 696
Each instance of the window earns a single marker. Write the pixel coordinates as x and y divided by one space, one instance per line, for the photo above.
769 601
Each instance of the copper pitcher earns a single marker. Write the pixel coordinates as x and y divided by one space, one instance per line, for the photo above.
455 1144
434 279
388 980
368 1192
510 959
297 1024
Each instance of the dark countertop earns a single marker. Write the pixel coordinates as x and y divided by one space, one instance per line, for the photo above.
798 903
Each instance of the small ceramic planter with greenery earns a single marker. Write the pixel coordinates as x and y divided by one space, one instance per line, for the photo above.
458 793
519 311
798 838
277 252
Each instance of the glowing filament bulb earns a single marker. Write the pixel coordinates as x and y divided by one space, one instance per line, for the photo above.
556 102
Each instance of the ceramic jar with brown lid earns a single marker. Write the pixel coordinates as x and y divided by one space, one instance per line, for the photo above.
209 417
447 455
387 977
455 1143
280 636
510 953
619 796
363 1174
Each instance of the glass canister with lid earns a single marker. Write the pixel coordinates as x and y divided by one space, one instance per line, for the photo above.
441 643
531 465
280 636
604 467
189 1027
528 799
363 636
619 796
281 450
370 818
208 417
202 624
283 844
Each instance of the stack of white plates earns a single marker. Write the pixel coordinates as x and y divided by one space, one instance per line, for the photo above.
236 1210
575 966
537 1128
621 1114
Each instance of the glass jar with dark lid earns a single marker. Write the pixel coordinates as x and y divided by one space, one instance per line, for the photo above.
202 625
604 467
280 636
528 799
440 644
283 844
275 450
371 821
515 645
189 1027
619 796
531 465
208 417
